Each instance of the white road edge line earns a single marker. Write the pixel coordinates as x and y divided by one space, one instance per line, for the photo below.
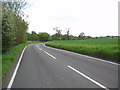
49 54
16 69
102 86
83 55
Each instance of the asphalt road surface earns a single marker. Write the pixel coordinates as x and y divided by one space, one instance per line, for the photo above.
45 67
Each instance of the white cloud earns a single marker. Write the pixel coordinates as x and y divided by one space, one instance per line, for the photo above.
94 17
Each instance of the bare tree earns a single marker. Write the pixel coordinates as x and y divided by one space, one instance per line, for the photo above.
58 33
57 30
68 32
82 35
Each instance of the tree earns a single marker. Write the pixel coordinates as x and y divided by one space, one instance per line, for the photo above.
34 36
21 31
33 32
57 30
64 37
28 36
8 33
43 36
57 35
82 35
14 27
68 32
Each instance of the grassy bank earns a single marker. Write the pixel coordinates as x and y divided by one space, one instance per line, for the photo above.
102 48
11 56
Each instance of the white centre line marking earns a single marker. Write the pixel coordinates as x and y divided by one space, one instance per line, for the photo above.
49 54
38 47
102 86
16 69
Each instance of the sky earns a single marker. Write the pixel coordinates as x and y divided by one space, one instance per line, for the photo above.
93 17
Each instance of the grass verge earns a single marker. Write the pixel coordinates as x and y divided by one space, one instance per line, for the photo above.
11 56
105 48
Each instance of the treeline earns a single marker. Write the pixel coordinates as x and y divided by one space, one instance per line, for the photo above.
44 36
38 37
14 27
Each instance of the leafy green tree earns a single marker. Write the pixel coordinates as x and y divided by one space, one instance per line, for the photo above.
21 31
8 33
43 36
14 27
34 36
28 36
64 37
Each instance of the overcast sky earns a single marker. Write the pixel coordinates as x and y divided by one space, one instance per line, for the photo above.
93 17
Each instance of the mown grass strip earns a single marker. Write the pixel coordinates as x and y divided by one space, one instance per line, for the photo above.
105 48
11 56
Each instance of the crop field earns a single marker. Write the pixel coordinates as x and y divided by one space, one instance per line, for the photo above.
105 48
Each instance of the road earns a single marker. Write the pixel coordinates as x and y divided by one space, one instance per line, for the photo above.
45 67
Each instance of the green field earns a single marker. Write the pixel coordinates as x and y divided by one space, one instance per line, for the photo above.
105 48
11 56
